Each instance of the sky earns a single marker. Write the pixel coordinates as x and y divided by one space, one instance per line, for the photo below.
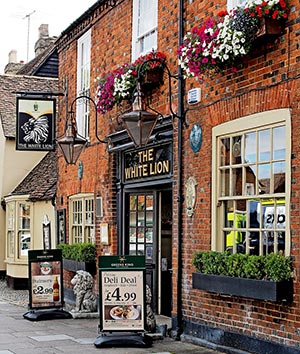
20 21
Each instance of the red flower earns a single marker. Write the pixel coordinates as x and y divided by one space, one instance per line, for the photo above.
222 13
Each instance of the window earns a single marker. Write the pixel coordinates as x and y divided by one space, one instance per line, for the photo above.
234 3
141 225
83 83
24 236
250 195
144 28
82 219
10 229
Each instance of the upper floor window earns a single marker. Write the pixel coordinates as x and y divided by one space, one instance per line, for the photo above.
144 28
250 193
82 219
234 3
83 83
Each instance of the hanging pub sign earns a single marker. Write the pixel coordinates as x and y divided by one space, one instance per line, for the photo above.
151 163
35 128
122 293
45 279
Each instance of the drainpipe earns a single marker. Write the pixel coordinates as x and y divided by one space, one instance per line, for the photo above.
179 328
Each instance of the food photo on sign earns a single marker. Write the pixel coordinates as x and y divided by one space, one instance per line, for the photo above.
125 312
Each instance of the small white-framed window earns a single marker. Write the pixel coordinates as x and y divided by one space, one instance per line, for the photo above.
144 27
82 218
23 229
83 83
10 214
251 193
234 3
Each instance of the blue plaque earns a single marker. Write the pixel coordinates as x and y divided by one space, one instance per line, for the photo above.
196 137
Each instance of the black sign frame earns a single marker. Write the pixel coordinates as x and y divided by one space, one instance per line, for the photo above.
39 262
35 124
123 266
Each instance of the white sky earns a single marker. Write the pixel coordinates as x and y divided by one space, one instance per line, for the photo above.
15 22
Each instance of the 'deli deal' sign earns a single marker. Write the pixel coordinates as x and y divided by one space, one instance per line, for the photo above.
122 293
45 279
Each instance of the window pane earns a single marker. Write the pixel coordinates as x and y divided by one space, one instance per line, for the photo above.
279 143
264 174
224 152
237 178
250 147
225 178
264 148
236 149
250 186
279 177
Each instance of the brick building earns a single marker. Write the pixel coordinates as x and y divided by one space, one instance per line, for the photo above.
250 113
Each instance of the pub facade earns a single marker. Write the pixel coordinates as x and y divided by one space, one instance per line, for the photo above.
218 172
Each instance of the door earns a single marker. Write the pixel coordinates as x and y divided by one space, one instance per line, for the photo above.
148 232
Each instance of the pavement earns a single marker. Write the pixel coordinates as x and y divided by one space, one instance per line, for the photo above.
19 335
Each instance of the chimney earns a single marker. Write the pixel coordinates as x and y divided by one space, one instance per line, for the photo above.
12 67
44 40
12 56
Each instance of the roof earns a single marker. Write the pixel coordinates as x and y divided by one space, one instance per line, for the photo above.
9 84
44 64
40 183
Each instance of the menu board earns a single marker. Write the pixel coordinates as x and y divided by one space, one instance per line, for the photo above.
45 279
122 293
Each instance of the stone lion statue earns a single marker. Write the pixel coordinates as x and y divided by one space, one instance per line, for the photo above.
82 287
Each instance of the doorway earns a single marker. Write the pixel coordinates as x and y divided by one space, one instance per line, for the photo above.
148 231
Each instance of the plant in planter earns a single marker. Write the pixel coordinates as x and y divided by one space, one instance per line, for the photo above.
260 277
79 256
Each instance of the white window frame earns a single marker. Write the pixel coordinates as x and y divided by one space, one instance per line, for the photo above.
138 36
83 83
82 222
234 3
256 121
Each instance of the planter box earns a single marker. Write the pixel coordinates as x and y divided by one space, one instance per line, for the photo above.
73 266
269 28
251 288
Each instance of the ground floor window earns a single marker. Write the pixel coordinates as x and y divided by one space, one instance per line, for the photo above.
82 224
18 228
250 190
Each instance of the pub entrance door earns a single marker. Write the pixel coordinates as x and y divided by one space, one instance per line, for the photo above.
148 231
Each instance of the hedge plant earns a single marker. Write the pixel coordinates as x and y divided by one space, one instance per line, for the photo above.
274 267
82 252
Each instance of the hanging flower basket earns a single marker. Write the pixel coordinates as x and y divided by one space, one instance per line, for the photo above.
153 78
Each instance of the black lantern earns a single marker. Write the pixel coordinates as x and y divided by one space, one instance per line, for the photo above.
139 123
72 144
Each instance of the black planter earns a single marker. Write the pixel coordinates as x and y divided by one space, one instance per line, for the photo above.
73 266
251 288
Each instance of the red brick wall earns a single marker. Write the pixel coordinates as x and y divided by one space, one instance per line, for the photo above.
268 79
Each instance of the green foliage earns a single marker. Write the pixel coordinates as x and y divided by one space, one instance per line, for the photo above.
84 252
273 267
277 267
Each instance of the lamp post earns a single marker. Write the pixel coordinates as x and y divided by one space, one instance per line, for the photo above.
72 143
